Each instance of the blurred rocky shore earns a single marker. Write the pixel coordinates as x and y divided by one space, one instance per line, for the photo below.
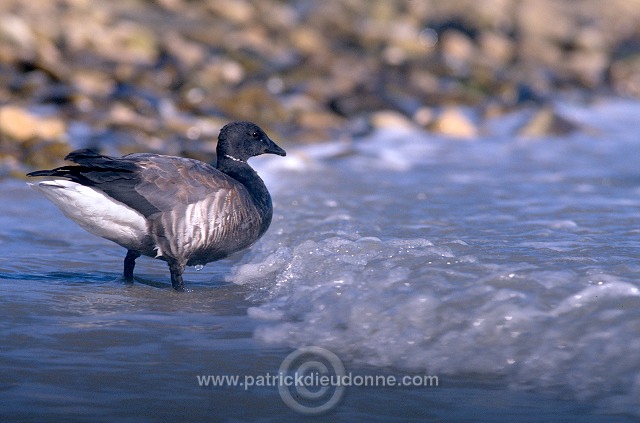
165 75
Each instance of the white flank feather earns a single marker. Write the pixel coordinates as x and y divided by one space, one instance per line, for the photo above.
95 211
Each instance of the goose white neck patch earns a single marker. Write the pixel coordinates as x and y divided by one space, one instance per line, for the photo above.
233 158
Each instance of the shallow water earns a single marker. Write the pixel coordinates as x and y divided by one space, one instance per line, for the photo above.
507 267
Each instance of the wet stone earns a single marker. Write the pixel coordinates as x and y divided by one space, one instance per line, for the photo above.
454 123
22 125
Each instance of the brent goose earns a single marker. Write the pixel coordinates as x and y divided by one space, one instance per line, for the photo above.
179 210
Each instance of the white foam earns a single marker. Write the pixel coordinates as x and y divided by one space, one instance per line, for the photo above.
495 258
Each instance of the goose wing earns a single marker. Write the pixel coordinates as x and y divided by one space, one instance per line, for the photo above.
148 183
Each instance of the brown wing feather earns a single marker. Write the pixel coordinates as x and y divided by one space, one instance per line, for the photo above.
167 182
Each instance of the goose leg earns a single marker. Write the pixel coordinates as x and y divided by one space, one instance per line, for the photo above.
176 270
129 264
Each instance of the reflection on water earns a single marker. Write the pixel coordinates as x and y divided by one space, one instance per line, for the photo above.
506 266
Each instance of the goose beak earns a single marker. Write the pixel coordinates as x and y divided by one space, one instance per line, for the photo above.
274 149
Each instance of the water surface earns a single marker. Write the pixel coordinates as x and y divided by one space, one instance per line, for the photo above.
508 267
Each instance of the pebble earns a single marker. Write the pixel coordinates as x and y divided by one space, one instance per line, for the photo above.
545 122
454 123
391 119
22 125
457 50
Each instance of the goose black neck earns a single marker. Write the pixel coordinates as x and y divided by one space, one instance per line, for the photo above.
243 173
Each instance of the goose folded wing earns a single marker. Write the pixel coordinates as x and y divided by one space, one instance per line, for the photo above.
147 183
170 182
